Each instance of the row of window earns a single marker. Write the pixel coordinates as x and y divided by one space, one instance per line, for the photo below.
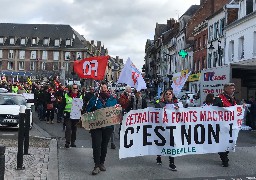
34 66
215 59
35 55
200 43
231 48
35 41
216 30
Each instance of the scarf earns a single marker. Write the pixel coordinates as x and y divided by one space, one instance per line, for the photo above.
73 95
104 96
226 102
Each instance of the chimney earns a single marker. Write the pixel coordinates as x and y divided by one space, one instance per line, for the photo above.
92 42
98 44
201 2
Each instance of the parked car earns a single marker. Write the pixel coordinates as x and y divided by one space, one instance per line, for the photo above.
10 108
190 100
3 90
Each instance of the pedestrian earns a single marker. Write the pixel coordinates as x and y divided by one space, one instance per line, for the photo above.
112 138
71 124
60 96
225 99
125 99
251 117
21 90
167 98
209 100
15 88
100 136
88 95
50 103
40 99
138 102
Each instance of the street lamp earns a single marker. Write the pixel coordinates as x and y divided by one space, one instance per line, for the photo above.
211 48
219 51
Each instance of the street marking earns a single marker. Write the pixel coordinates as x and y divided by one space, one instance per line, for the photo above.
8 134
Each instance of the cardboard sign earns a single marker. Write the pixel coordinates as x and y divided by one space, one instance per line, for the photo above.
102 117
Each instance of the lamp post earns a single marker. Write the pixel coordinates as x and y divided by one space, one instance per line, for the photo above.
170 56
219 51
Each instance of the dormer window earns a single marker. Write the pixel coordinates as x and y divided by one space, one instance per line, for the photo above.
12 41
34 41
23 41
57 42
46 41
68 42
1 40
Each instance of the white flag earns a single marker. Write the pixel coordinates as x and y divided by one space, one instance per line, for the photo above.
131 76
179 82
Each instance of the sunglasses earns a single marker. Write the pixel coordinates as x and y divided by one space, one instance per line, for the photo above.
75 88
168 94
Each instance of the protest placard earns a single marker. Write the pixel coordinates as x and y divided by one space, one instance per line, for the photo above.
169 132
77 105
102 117
28 96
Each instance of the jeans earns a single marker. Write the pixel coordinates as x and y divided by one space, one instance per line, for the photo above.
59 114
112 137
224 156
50 114
71 128
40 110
100 139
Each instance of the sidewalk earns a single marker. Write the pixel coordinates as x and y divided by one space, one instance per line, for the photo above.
41 163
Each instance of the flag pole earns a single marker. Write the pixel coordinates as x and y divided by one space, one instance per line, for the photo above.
98 95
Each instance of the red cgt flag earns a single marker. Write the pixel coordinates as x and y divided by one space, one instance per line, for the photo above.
92 67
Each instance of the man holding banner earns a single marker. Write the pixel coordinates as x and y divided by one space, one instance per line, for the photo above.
226 99
71 124
100 136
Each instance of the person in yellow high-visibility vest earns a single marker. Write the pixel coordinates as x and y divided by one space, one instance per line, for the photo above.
71 124
15 88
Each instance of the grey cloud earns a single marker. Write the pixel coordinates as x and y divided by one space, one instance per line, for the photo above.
123 26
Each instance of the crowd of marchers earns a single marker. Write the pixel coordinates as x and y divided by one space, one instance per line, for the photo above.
55 98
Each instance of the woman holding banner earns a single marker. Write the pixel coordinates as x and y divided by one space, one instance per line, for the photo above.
100 136
167 98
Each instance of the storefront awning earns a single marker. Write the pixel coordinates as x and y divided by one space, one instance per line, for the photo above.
245 64
13 73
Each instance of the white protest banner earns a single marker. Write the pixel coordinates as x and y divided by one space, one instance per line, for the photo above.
169 132
28 95
77 105
102 117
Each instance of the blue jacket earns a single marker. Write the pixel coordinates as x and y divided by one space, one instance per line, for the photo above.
92 105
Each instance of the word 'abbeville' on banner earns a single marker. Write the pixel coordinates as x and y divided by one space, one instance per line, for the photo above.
102 117
165 131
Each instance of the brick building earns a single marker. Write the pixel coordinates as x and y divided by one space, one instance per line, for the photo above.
41 50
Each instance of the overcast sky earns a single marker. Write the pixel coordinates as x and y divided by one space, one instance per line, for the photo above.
123 26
